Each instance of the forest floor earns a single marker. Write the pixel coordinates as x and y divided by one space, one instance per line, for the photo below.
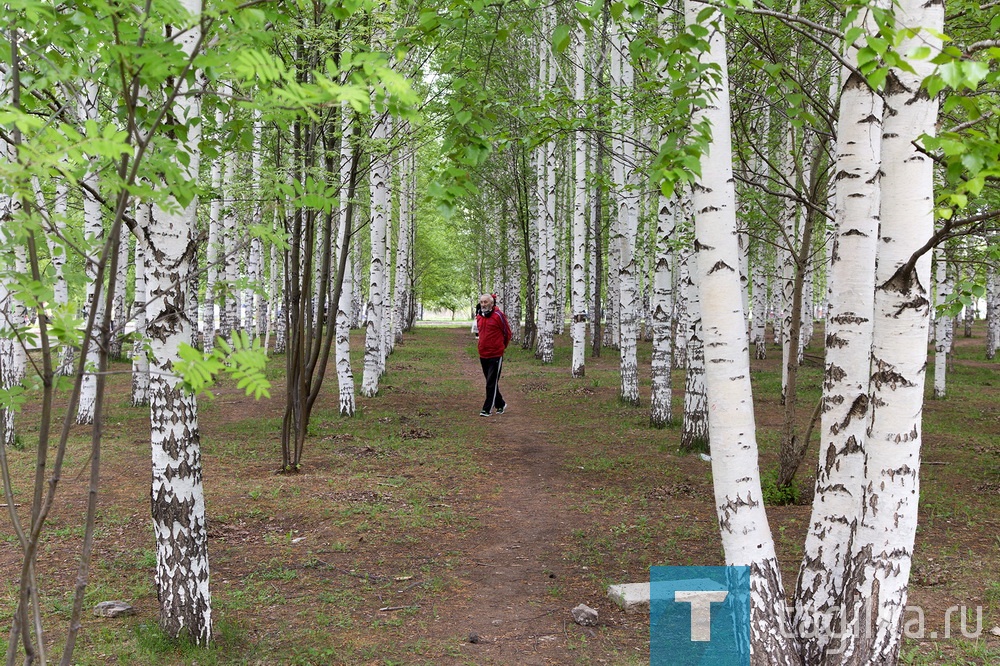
420 533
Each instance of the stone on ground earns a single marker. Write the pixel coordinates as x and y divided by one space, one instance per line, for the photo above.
630 596
113 609
585 616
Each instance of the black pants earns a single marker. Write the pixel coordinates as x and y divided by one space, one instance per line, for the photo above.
491 369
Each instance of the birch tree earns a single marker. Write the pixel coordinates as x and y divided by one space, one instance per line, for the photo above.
746 537
943 323
345 376
93 236
846 406
882 547
628 220
375 309
178 496
578 300
661 366
992 311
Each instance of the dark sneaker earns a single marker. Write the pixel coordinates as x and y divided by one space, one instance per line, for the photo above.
484 413
501 410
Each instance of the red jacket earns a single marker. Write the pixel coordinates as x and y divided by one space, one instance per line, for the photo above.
494 333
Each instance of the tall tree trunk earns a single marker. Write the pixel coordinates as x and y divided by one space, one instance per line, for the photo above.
628 219
596 232
406 173
229 311
746 536
882 547
943 323
345 375
209 303
93 220
694 427
140 359
118 331
375 309
661 366
992 311
759 325
578 301
177 493
846 410
547 255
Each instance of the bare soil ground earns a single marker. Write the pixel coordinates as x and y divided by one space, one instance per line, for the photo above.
420 533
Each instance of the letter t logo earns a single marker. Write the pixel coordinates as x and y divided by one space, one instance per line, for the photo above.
701 610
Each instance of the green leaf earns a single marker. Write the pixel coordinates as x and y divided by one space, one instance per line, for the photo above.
561 38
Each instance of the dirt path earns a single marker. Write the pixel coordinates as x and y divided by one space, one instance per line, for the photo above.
517 585
510 612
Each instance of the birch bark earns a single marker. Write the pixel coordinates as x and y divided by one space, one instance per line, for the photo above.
694 427
882 547
403 246
547 257
661 365
93 234
992 311
578 301
746 537
212 248
374 311
628 220
177 493
229 309
140 361
759 325
943 323
345 375
846 412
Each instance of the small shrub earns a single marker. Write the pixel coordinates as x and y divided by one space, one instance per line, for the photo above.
775 495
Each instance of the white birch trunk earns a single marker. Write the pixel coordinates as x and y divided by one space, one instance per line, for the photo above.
578 304
661 365
9 374
255 268
846 411
943 324
547 257
883 543
274 292
790 227
746 537
992 311
356 293
694 426
662 302
388 296
514 263
612 291
403 247
140 361
682 279
229 311
628 221
547 261
57 255
212 249
118 302
177 493
345 375
759 306
93 225
374 337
